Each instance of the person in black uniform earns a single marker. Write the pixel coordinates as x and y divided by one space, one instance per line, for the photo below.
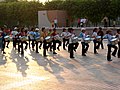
101 33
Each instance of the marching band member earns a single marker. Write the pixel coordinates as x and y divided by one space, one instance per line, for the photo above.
110 45
76 44
101 33
37 36
71 44
50 43
44 34
85 45
54 41
63 35
14 33
96 42
24 34
32 37
118 36
2 35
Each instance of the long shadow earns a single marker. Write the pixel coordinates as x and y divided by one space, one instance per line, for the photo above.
99 73
3 60
49 65
20 61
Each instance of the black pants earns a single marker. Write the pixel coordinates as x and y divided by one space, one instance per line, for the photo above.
96 45
26 44
109 51
118 50
101 44
71 50
59 43
75 45
85 47
44 47
64 43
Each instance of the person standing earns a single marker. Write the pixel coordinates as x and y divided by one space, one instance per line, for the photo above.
101 33
95 41
110 46
63 35
55 23
85 45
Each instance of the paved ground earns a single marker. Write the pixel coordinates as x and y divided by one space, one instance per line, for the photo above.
58 72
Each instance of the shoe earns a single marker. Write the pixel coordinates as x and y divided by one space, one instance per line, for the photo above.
54 53
72 57
75 50
4 53
37 52
58 48
113 55
45 55
109 60
7 46
64 48
39 47
96 53
83 55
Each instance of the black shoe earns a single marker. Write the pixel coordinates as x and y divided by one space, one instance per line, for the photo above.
45 55
37 52
96 53
109 60
75 50
83 55
7 46
64 48
113 55
72 57
4 52
39 47
58 48
54 53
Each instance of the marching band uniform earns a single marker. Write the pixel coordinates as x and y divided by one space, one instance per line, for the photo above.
37 35
54 41
64 34
71 46
110 37
96 43
118 36
101 33
44 35
23 34
14 33
32 37
2 40
85 46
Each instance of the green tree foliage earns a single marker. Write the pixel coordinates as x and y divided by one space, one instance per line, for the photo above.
13 12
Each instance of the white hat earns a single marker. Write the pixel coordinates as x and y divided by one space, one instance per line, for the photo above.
37 29
15 28
83 28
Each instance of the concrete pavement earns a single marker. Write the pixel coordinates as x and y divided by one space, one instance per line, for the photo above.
58 72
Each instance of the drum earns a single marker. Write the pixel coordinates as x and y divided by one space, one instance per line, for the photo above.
23 38
37 39
87 40
74 39
98 38
48 38
114 41
7 38
57 37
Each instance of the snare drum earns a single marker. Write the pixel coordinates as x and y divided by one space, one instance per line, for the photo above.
98 38
48 39
37 39
87 40
23 38
74 39
7 38
114 41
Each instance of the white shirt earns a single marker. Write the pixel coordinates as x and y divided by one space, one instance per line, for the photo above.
55 21
63 34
